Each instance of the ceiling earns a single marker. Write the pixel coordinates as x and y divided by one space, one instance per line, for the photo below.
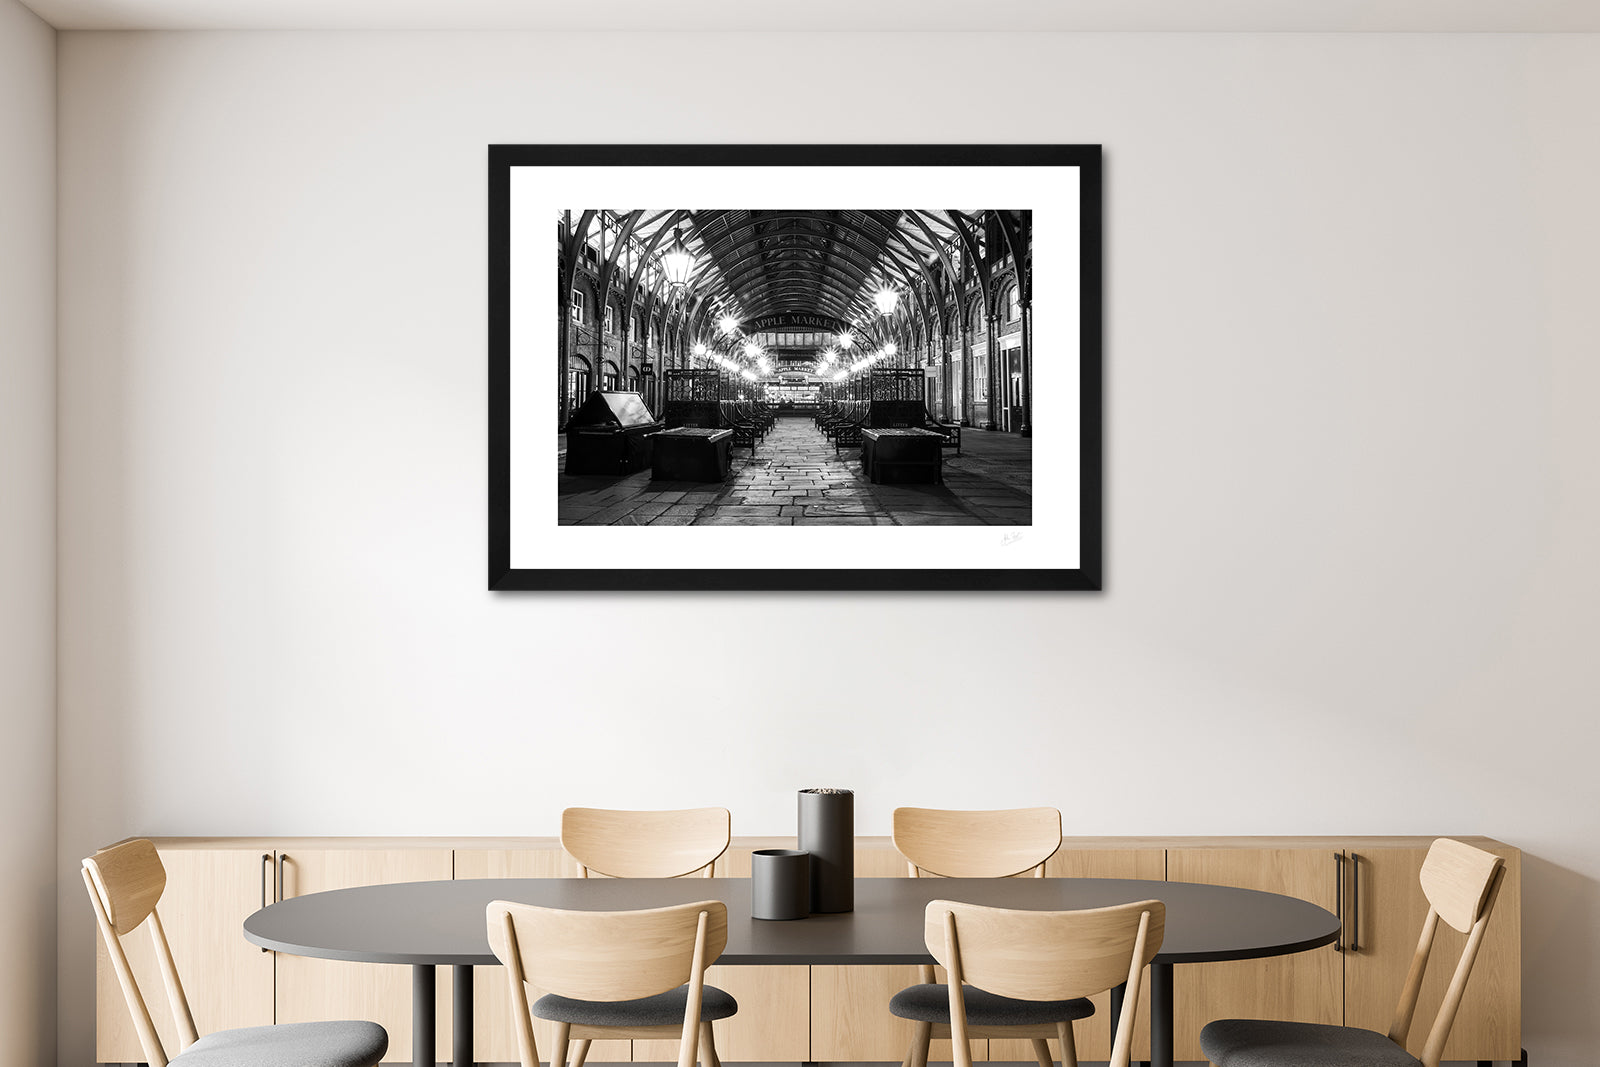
802 261
1227 16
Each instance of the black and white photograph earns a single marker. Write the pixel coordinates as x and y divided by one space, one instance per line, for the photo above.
833 388
791 367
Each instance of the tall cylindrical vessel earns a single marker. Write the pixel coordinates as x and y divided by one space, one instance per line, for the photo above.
828 832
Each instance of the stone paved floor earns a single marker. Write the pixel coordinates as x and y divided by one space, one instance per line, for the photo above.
795 479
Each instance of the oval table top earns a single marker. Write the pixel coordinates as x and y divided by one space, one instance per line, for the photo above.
443 923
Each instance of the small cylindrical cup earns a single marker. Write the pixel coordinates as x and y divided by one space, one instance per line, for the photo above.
780 883
828 832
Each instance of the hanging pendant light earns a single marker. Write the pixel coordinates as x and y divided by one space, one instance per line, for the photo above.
887 300
677 263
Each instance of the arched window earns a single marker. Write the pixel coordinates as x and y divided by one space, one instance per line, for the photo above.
611 318
1013 308
609 376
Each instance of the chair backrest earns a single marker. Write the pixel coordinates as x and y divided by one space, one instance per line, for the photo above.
1044 955
1461 884
645 844
977 844
606 956
125 882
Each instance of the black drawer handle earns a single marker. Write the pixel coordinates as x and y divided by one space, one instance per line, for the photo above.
1355 902
266 878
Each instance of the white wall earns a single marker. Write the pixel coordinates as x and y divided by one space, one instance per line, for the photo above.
27 535
1353 496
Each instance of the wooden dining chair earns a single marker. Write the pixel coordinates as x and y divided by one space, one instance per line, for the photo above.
980 844
1461 884
645 844
613 974
977 844
1014 970
125 882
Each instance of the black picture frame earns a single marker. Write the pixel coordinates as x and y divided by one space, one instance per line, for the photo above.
1085 575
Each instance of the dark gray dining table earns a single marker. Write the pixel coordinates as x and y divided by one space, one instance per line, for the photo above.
435 924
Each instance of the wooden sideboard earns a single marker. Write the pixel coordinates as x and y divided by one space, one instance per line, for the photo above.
799 1013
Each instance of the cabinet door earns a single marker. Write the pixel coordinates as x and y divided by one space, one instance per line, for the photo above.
850 1017
773 1023
312 989
494 1039
1384 919
1092 1035
209 894
1305 986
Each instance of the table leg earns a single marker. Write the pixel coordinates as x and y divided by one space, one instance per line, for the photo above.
1161 1015
422 1015
461 1047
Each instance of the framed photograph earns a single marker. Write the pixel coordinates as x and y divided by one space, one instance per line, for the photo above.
732 367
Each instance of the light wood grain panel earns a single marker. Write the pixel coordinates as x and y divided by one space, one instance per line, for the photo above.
227 980
875 860
312 989
1146 863
493 1038
773 1023
1307 986
1392 908
1094 1033
850 1017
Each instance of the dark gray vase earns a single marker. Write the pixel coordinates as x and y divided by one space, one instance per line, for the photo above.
828 832
780 884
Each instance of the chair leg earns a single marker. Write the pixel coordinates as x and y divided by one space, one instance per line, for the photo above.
558 1048
708 1047
1041 1052
580 1051
1069 1045
919 1044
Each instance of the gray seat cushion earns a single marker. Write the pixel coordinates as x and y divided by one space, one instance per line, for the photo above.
663 1009
931 1004
1270 1043
342 1044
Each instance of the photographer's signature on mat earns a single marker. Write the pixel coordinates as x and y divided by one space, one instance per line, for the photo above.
1009 539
